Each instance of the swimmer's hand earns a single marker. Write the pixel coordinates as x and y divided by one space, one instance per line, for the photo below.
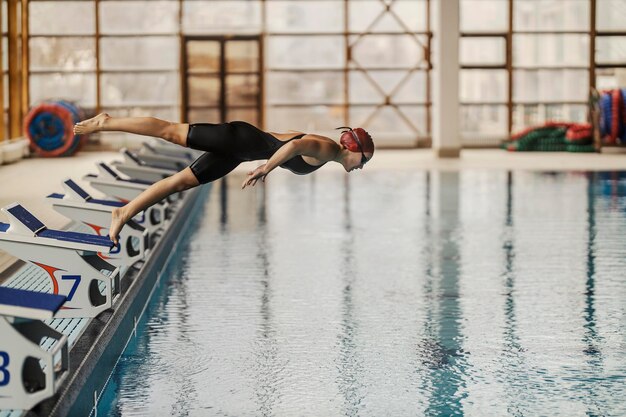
254 176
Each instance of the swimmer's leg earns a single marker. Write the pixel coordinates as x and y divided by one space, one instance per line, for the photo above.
208 167
148 126
180 181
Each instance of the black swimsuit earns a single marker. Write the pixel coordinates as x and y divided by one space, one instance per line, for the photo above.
229 144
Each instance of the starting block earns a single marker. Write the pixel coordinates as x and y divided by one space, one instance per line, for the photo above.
166 149
79 206
69 259
136 168
154 160
29 373
112 184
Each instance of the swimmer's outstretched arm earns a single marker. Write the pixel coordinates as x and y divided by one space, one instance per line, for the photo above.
324 150
180 181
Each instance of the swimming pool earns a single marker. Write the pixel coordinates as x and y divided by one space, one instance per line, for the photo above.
390 293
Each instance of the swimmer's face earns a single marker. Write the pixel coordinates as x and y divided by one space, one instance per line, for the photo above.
356 160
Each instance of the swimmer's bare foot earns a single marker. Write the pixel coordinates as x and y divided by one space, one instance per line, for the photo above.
91 125
118 220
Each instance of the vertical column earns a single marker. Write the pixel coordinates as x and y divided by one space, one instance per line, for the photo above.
446 134
98 70
15 108
262 66
182 113
346 65
592 44
2 125
25 60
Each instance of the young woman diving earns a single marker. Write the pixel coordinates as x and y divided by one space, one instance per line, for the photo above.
226 145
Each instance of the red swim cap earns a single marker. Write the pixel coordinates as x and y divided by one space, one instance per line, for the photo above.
347 139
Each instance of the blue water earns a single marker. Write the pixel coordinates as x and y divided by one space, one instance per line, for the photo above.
481 293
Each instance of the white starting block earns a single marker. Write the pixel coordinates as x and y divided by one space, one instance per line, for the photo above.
166 149
112 184
155 160
136 168
29 374
79 206
70 260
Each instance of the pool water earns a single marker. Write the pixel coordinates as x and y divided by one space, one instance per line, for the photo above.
485 293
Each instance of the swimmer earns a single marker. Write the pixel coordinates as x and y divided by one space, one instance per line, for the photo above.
226 145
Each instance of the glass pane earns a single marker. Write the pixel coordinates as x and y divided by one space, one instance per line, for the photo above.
480 123
483 86
367 89
484 16
203 56
413 90
385 121
306 52
611 49
203 116
137 17
483 51
5 53
139 53
389 51
6 124
250 115
6 91
203 90
407 14
363 14
417 115
551 15
609 78
314 119
60 18
139 89
550 50
234 16
362 90
242 56
316 87
412 13
51 53
5 20
525 116
610 15
550 85
242 90
79 88
305 16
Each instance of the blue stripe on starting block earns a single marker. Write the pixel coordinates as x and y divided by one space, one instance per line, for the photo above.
4 227
26 218
78 189
31 299
56 195
77 237
107 202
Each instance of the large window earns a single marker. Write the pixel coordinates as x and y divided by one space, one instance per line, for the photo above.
483 79
329 63
337 62
551 48
139 58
